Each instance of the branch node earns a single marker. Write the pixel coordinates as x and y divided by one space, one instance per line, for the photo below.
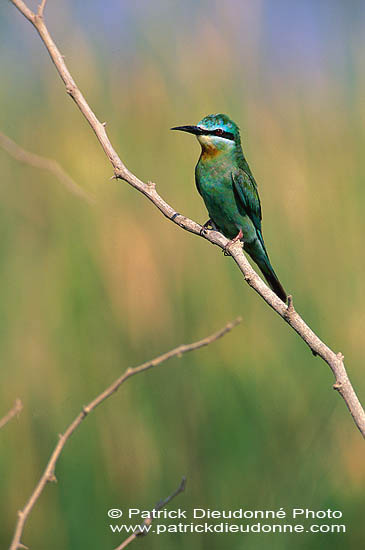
103 124
85 410
118 174
21 545
290 308
340 356
151 185
51 478
337 386
70 89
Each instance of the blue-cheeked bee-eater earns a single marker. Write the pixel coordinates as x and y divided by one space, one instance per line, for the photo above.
229 190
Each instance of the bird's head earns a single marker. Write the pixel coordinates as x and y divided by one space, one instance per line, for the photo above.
215 133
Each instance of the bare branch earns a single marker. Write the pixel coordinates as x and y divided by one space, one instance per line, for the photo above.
23 8
49 472
41 8
318 347
15 410
148 521
44 163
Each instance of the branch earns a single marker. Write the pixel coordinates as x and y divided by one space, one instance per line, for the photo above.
49 472
41 7
15 410
44 163
334 361
148 521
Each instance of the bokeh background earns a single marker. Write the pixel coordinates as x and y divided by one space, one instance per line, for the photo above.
87 291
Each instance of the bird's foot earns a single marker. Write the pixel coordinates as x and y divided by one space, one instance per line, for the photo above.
238 237
208 224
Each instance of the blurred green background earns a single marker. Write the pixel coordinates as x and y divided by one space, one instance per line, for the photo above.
252 420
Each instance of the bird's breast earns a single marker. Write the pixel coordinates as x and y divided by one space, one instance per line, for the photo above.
212 174
214 181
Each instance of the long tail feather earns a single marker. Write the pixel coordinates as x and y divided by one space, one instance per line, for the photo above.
258 253
272 279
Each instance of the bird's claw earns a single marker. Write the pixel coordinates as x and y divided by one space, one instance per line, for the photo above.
208 224
238 237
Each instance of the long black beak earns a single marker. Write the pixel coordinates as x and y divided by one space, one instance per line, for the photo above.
190 129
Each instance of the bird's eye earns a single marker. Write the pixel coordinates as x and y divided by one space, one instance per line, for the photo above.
219 132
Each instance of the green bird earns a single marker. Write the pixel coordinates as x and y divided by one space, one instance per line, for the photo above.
229 190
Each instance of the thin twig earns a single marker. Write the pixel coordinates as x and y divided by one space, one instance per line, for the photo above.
15 410
41 8
336 364
49 472
44 163
141 531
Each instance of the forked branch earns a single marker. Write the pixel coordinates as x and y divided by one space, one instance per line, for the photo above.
288 313
49 472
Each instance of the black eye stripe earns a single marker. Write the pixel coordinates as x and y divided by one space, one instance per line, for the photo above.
224 134
218 132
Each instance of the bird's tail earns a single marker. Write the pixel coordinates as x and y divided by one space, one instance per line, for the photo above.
271 277
258 253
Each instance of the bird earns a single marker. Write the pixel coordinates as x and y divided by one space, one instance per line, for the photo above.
225 182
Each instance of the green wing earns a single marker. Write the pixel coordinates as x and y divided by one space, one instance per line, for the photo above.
248 196
246 189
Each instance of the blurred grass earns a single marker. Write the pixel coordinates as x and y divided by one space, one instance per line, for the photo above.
252 420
